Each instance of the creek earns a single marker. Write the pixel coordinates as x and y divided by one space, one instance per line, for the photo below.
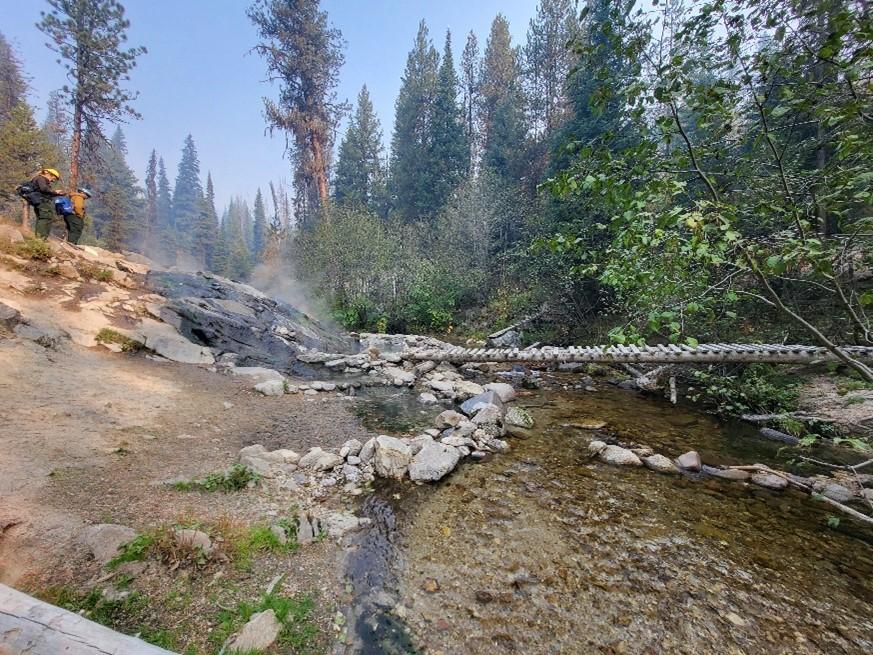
543 550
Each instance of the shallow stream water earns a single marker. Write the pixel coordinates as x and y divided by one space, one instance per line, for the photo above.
543 550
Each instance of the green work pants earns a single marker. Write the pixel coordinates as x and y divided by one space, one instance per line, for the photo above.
45 216
75 225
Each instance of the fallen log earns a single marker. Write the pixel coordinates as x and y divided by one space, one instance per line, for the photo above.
28 625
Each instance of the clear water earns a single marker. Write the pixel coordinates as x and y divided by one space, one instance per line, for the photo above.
543 550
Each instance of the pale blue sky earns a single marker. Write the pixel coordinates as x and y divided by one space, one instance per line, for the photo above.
198 76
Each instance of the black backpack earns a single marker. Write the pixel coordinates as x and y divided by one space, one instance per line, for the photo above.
28 191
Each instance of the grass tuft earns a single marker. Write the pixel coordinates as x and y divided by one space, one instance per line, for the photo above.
235 478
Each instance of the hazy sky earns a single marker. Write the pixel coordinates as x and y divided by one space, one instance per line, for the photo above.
199 77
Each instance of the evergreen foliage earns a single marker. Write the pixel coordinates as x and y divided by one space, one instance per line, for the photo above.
359 171
410 182
187 197
24 149
448 145
259 228
13 89
89 38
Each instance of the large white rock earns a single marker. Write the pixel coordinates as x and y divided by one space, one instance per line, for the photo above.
271 387
449 419
398 376
446 387
505 391
166 342
319 460
392 457
258 634
433 462
467 389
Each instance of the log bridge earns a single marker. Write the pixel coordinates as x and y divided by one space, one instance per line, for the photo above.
660 354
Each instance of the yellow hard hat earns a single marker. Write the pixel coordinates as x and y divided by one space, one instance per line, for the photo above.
52 171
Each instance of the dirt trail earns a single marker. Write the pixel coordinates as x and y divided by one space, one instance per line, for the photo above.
86 434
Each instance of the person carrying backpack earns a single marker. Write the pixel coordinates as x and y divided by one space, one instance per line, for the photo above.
72 208
42 198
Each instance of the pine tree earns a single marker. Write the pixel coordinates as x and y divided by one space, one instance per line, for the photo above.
116 207
24 148
305 54
259 228
359 170
239 263
164 198
449 148
206 227
151 189
217 260
88 37
502 108
547 63
13 89
470 66
187 196
57 128
410 183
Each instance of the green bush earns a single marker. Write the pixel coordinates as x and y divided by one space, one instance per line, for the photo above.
757 388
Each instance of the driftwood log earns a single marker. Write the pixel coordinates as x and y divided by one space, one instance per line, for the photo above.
28 625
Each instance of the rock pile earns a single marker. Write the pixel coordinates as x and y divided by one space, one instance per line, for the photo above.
474 431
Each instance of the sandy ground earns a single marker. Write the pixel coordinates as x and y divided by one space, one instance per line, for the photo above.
87 435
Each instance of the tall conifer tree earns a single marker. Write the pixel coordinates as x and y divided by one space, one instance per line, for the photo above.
359 170
13 88
187 195
410 183
88 37
259 228
449 148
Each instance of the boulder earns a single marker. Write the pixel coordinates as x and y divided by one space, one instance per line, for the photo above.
166 342
502 389
619 456
660 464
474 404
68 271
104 540
232 317
258 634
399 377
769 481
271 387
449 419
689 461
433 462
428 399
419 442
466 389
367 451
319 460
337 524
519 417
835 492
392 457
489 414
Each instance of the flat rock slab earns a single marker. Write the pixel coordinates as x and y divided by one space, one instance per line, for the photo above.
726 474
433 462
769 481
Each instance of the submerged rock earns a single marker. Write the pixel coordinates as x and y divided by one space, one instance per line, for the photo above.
769 481
519 417
660 464
726 474
619 456
689 461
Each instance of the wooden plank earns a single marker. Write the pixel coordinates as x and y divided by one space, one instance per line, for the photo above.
28 625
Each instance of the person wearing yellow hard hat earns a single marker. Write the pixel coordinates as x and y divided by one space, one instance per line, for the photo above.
42 199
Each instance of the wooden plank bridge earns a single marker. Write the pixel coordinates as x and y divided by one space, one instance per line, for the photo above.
660 354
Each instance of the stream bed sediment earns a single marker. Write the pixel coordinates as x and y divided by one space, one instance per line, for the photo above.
544 550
